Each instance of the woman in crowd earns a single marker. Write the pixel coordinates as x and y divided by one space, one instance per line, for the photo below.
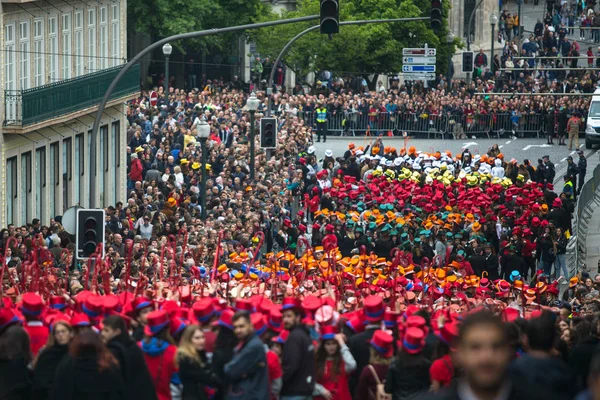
90 371
51 355
198 380
374 375
15 356
334 363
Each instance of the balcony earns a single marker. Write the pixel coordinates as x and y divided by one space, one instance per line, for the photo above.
23 108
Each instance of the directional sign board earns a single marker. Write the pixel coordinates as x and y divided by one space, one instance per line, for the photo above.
419 77
419 52
418 60
418 68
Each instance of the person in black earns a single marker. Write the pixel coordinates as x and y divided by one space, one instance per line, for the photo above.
194 372
298 360
15 355
136 377
90 371
572 172
485 353
580 358
408 375
49 358
549 171
540 172
582 165
512 262
491 262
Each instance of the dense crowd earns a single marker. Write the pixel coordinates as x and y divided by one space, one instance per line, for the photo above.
350 276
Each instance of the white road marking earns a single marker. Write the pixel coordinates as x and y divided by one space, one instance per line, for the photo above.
508 142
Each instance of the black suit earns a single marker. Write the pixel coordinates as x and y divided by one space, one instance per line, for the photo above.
360 349
491 266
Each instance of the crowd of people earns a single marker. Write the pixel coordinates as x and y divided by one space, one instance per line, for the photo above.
377 272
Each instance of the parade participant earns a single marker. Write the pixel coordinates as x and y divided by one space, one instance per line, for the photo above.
372 380
49 358
159 353
333 364
298 360
197 378
32 308
136 377
247 371
89 371
408 375
225 344
141 306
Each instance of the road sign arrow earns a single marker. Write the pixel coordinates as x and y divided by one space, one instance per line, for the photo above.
467 145
535 145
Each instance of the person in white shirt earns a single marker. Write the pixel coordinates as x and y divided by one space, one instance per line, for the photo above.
498 170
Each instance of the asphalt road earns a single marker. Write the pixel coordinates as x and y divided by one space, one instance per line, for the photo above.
520 149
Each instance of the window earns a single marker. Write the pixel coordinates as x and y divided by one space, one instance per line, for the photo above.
66 46
25 187
115 51
53 50
9 43
39 50
103 39
79 167
11 187
40 184
116 143
91 40
102 161
25 67
54 177
79 63
67 171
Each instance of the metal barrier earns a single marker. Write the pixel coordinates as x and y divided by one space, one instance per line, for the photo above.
587 201
453 125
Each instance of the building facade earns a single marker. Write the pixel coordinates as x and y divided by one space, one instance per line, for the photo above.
58 60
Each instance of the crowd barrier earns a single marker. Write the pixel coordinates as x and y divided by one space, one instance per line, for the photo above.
587 202
445 125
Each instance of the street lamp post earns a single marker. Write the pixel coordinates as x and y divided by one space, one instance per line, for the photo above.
203 131
449 40
252 104
167 50
493 21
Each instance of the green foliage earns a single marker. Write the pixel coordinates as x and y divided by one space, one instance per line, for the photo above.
163 18
359 49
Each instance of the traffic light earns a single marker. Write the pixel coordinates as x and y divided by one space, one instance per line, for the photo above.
467 62
436 15
330 16
90 232
268 133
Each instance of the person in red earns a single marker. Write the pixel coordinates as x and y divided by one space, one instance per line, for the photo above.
136 170
334 363
32 307
159 352
205 313
442 371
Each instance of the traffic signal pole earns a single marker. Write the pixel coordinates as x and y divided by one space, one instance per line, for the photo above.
150 48
314 28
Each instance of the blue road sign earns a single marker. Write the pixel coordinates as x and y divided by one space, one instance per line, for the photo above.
418 68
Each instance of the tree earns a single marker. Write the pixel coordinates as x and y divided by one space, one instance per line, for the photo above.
163 18
357 50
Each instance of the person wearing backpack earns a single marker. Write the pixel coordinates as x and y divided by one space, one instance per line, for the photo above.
371 384
408 376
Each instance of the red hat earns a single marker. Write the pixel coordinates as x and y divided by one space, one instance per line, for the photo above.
7 318
58 302
557 202
383 343
329 228
302 228
390 317
328 332
80 319
449 333
287 222
275 320
93 305
374 308
316 227
157 321
244 305
356 323
111 303
283 335
141 302
176 326
259 323
290 303
510 314
226 319
204 309
32 304
413 341
325 315
550 187
416 321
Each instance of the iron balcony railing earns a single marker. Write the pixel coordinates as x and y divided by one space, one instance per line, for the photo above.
31 106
